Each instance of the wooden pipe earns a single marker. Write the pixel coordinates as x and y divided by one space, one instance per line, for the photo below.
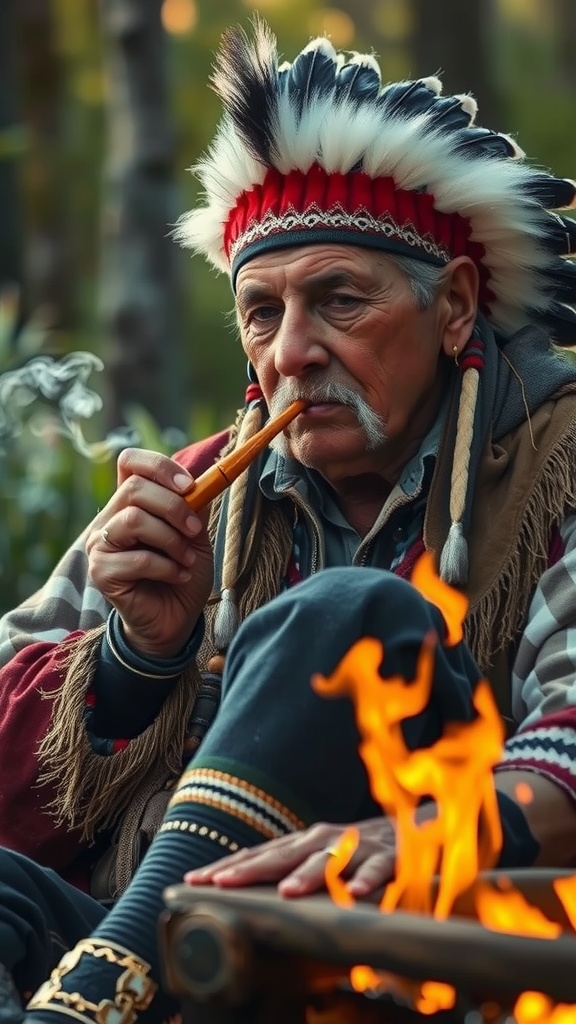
216 479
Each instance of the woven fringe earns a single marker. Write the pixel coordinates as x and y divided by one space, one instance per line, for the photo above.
454 558
496 621
268 559
92 791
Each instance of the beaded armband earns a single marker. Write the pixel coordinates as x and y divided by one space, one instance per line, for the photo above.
134 989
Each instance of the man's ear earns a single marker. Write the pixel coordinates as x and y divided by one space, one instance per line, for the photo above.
461 285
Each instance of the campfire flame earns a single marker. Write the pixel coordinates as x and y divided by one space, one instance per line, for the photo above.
442 799
536 1008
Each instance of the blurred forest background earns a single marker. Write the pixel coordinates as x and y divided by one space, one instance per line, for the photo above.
103 106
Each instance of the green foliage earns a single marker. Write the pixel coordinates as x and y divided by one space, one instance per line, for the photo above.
43 508
53 479
48 490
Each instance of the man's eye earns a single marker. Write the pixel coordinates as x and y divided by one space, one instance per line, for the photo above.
261 313
342 300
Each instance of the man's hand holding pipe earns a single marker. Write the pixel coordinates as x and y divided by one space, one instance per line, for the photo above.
150 554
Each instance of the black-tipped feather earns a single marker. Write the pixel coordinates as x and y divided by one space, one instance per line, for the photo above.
476 142
359 83
552 193
249 97
448 114
562 278
561 235
406 99
311 75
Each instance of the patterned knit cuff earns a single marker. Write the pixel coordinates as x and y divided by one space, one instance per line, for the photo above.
548 750
151 668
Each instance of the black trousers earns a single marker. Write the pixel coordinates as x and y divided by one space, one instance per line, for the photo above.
41 917
269 721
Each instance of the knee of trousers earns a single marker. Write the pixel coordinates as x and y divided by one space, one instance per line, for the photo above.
310 627
369 600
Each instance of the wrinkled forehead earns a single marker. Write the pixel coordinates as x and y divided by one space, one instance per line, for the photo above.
310 265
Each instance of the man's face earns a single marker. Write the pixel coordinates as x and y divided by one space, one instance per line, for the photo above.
339 326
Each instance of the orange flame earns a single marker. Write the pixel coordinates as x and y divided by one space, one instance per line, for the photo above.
565 889
363 977
450 602
509 911
435 996
338 860
536 1008
443 800
460 786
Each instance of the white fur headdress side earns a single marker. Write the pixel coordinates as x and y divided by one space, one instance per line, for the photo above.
321 145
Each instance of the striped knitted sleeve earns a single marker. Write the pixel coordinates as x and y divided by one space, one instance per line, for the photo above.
544 674
544 671
547 748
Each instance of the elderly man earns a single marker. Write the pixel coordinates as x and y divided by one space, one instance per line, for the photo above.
395 267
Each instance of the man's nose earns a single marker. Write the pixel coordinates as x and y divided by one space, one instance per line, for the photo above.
299 345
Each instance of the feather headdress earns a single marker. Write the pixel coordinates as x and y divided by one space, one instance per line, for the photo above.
320 150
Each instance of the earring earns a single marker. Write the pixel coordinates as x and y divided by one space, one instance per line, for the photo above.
251 373
455 354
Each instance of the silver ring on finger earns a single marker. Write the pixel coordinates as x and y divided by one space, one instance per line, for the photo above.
105 534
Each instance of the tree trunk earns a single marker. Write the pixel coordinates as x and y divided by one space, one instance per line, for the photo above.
11 142
139 261
455 38
565 23
48 260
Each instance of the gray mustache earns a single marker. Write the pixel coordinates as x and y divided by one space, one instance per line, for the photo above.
315 394
371 423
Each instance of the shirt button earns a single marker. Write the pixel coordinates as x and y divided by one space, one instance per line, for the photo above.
398 533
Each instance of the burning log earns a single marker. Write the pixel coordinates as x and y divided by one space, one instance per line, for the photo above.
236 949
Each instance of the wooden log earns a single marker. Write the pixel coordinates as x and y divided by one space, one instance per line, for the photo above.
258 940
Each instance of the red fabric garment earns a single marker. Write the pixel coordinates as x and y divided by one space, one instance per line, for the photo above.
24 720
25 825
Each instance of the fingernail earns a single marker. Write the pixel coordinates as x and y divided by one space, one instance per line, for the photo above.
182 482
184 575
193 525
291 887
358 888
